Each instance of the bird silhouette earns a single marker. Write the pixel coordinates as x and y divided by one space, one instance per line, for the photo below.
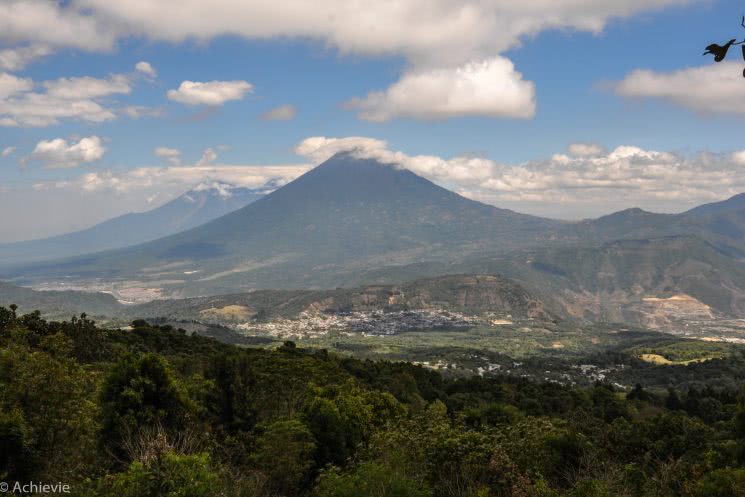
719 52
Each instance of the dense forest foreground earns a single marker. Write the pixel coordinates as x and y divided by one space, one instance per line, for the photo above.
156 412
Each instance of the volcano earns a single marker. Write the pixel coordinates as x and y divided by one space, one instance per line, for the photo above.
346 215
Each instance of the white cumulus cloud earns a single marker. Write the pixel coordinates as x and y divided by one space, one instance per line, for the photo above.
714 88
87 87
15 59
592 182
321 148
212 93
7 151
490 88
146 68
564 185
443 41
586 149
59 153
282 113
139 111
177 179
39 110
55 24
170 155
739 157
79 98
423 30
208 156
13 85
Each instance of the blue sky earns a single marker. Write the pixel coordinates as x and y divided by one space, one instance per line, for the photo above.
572 81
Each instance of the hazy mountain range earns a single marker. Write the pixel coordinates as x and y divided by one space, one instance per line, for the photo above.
352 222
198 206
345 215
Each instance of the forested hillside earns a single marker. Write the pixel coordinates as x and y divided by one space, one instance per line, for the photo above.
153 411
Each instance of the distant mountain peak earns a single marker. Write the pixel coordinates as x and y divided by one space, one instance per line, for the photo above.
347 176
205 202
736 202
631 211
351 162
223 190
356 156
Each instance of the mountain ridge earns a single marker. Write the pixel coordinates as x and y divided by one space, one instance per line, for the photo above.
190 209
345 212
469 293
351 222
